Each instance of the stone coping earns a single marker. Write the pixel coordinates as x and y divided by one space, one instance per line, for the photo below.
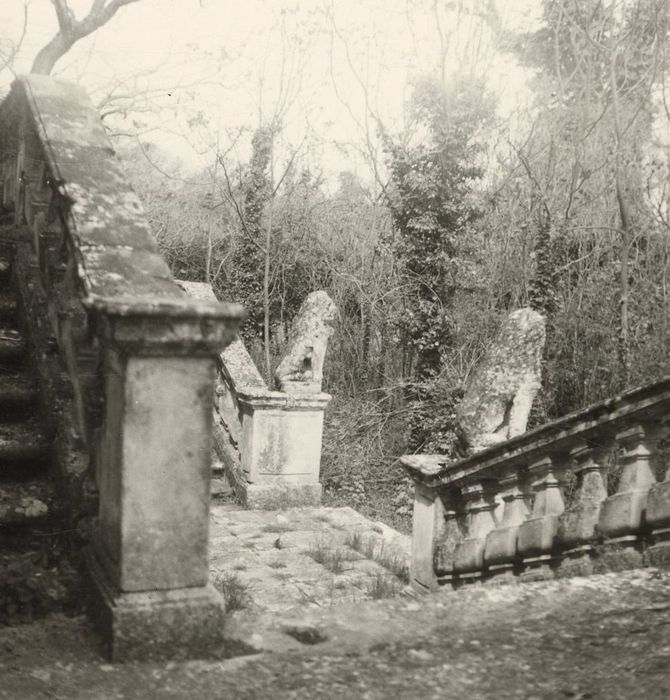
174 308
265 398
119 266
608 416
241 371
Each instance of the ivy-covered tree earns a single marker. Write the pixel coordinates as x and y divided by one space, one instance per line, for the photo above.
249 259
432 170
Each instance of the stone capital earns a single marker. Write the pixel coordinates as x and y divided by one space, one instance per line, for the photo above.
264 399
164 329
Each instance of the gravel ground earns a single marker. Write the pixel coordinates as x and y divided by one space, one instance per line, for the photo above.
603 637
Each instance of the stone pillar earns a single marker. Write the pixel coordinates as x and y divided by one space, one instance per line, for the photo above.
280 449
480 520
148 558
501 554
622 515
427 529
577 525
536 535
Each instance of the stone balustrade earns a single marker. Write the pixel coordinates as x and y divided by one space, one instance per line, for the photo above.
588 492
270 440
127 363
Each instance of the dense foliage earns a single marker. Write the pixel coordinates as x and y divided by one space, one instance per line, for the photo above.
470 219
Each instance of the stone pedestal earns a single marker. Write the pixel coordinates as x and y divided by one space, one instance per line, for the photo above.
280 449
177 623
148 558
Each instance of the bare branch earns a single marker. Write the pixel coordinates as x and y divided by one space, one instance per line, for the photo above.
70 30
9 61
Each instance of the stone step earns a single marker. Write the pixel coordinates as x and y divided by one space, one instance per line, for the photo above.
17 390
21 442
12 346
26 503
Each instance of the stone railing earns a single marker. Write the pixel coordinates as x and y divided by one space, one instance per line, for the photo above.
138 357
270 440
588 492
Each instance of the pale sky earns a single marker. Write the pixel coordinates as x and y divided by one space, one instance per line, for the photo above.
217 66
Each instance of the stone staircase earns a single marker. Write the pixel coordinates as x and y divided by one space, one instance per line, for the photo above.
32 567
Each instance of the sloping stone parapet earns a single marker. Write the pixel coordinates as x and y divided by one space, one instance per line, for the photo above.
140 356
548 512
270 441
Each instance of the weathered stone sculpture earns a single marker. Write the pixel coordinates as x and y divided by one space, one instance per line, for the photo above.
499 397
301 370
270 441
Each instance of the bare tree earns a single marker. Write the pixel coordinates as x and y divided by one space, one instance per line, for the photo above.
71 30
9 49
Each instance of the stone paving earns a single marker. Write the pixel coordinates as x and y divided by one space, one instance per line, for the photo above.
605 637
276 561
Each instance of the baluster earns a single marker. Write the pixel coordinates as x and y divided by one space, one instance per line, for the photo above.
452 535
10 183
479 521
74 340
52 252
658 513
577 525
18 197
500 554
538 532
622 515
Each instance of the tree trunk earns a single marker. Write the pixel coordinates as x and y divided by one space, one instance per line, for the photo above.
624 215
266 295
49 55
624 346
208 260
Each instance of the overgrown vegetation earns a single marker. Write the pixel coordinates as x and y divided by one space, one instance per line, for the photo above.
235 592
565 208
382 585
330 556
377 550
